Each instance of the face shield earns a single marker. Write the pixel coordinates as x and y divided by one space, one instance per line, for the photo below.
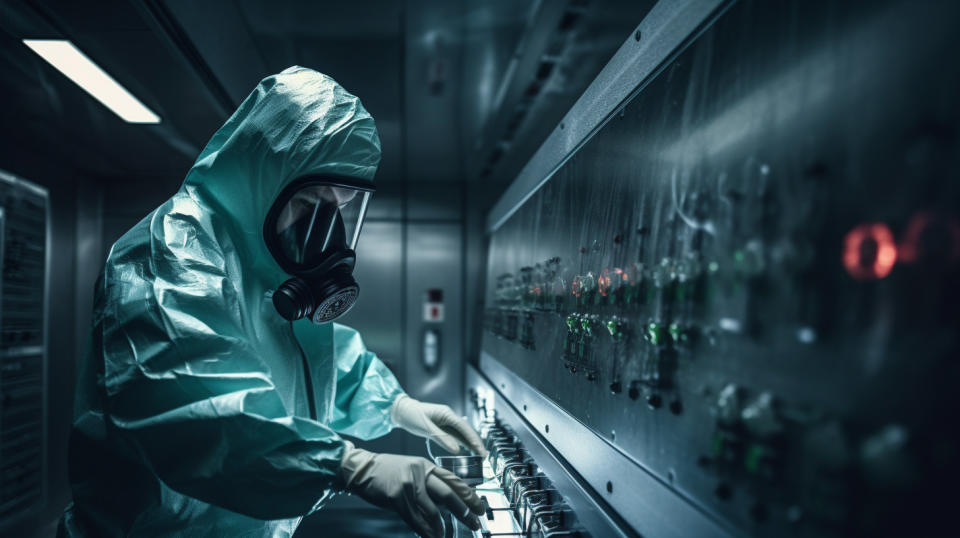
312 230
319 219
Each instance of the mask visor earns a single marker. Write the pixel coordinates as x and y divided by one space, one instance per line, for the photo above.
319 219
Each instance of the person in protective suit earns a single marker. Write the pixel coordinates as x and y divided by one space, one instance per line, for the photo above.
201 409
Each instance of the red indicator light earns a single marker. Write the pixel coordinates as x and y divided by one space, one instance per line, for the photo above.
603 282
869 251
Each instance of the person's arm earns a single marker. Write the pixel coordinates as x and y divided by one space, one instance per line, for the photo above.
370 402
186 389
366 389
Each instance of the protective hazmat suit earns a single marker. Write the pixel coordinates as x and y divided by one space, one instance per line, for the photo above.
200 411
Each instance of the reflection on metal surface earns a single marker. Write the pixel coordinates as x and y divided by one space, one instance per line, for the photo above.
537 58
641 500
467 468
24 251
738 363
434 346
665 28
526 492
804 85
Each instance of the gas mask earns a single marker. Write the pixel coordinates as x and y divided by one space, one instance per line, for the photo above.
311 230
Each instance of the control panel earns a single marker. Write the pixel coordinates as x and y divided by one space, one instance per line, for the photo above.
527 491
747 279
522 491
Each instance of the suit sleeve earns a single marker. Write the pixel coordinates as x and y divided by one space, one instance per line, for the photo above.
186 390
366 389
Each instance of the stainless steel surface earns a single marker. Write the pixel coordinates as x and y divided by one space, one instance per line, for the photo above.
378 312
467 468
730 144
695 286
433 261
642 499
541 19
589 511
667 26
54 176
25 234
526 64
431 55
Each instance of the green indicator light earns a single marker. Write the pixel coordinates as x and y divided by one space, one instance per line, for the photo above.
752 461
613 326
655 333
713 267
676 333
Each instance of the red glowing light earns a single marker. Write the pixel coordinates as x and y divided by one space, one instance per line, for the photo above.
603 282
858 259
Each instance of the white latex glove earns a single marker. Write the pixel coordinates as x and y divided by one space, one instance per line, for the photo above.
436 422
412 487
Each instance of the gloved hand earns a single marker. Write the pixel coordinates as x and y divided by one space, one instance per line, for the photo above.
411 487
436 422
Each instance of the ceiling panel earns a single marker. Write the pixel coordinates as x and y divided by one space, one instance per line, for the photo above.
54 117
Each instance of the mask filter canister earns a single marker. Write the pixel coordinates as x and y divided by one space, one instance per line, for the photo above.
322 301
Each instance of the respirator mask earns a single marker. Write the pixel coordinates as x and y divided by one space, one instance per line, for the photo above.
311 230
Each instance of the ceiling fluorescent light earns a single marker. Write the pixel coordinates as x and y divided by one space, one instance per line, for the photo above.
73 63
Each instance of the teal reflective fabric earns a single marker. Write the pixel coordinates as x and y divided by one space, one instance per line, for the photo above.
193 407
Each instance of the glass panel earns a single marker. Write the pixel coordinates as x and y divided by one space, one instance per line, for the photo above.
318 219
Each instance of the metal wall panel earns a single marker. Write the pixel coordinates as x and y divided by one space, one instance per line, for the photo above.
434 261
431 88
378 313
23 347
746 279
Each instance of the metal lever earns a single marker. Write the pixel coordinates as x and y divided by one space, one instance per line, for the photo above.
517 503
539 521
528 506
507 468
520 480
